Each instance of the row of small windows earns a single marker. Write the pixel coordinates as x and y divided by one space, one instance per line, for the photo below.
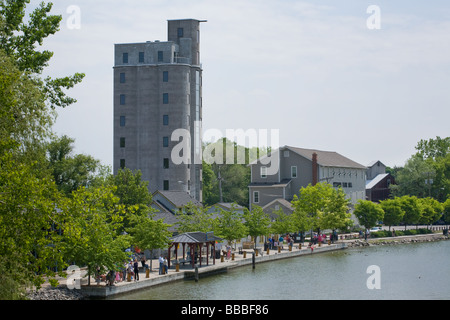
123 78
125 57
123 120
123 99
342 184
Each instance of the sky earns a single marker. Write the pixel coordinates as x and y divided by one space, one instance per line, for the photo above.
332 75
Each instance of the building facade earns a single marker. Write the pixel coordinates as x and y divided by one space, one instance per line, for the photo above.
158 90
297 168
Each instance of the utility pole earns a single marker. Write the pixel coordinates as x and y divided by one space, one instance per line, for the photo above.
219 178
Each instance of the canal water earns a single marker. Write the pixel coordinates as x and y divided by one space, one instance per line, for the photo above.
407 271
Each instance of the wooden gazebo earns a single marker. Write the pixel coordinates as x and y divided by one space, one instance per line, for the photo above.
195 240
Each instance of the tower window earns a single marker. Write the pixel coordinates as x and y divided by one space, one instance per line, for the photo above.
166 76
122 78
166 185
141 57
125 57
165 120
122 121
122 163
165 142
180 32
122 142
165 98
166 163
122 99
160 56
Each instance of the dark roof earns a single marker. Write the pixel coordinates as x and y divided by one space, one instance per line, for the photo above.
168 218
327 158
178 198
194 237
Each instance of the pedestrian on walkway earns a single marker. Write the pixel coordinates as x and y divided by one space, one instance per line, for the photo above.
166 268
161 264
136 270
143 260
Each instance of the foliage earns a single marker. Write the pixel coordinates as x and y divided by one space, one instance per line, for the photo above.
148 233
393 211
446 211
427 172
283 223
92 218
230 225
232 161
321 207
368 213
431 210
256 221
411 207
70 171
27 219
195 219
20 39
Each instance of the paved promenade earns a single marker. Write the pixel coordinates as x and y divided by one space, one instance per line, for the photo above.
187 272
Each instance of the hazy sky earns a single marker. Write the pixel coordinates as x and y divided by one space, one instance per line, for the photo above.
312 69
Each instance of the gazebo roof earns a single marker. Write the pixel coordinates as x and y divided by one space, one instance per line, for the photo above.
194 237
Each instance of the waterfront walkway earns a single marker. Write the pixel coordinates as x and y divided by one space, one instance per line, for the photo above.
187 272
101 290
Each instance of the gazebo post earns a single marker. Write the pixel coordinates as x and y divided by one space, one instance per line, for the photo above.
207 254
168 260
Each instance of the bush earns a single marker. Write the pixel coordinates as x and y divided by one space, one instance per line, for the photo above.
411 232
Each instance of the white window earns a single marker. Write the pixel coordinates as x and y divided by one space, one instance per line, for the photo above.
294 172
286 154
256 197
263 172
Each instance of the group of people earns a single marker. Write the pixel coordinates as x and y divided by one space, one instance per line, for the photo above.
130 268
275 243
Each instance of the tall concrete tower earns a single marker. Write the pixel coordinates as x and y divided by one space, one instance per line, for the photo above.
158 90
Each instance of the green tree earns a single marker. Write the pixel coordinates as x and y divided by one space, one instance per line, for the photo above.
446 211
368 213
321 206
431 210
150 234
29 243
283 223
336 214
92 220
415 178
393 212
230 225
20 39
411 207
256 221
195 219
70 171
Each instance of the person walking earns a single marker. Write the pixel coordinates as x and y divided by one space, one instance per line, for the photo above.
166 268
136 270
161 264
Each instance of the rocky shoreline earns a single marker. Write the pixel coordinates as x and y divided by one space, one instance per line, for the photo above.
58 293
396 240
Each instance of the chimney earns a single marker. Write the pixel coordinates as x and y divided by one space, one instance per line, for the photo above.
314 169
